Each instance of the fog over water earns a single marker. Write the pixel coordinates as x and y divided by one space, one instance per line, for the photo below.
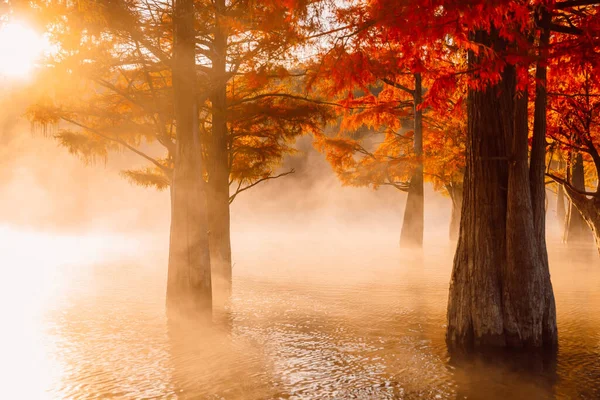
325 305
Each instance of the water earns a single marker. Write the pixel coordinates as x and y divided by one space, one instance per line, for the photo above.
323 315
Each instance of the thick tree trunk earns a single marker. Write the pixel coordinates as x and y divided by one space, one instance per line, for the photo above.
189 276
218 176
411 234
576 229
500 283
456 195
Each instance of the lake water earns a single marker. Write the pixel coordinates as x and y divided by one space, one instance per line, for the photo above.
314 315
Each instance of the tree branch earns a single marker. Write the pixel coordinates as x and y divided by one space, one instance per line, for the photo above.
284 95
401 186
565 29
567 184
166 170
398 86
240 189
574 3
574 95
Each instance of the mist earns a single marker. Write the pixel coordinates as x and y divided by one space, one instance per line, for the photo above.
299 200
86 249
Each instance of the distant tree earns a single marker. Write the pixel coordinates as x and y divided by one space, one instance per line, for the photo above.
574 127
388 82
381 153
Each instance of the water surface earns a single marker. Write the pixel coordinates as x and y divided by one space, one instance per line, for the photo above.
323 315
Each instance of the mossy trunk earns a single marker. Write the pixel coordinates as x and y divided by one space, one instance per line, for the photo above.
500 292
219 166
411 235
189 275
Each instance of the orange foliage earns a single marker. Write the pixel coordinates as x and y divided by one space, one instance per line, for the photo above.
110 83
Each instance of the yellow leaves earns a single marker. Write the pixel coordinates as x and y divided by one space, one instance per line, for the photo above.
88 147
152 177
44 112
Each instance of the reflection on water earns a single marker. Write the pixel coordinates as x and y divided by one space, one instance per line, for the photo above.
311 318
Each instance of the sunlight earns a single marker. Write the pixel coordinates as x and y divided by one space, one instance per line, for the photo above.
21 47
37 268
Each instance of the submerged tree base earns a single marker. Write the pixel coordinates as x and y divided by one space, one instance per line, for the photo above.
411 235
500 293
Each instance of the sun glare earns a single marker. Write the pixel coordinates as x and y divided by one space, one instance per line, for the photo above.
20 49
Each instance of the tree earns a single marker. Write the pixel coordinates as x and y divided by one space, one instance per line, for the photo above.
189 255
364 153
572 120
255 109
119 83
248 107
575 128
506 299
520 311
500 293
384 79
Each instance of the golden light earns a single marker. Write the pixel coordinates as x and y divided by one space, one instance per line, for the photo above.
20 48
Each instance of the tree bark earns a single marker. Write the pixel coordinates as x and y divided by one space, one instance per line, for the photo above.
576 229
411 234
456 195
218 168
499 292
189 274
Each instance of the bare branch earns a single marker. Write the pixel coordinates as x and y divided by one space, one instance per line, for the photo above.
398 86
240 190
571 187
565 29
574 3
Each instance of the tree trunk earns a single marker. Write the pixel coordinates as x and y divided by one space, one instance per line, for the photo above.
537 177
537 168
500 282
411 234
576 229
561 211
560 204
589 208
456 194
218 175
189 276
